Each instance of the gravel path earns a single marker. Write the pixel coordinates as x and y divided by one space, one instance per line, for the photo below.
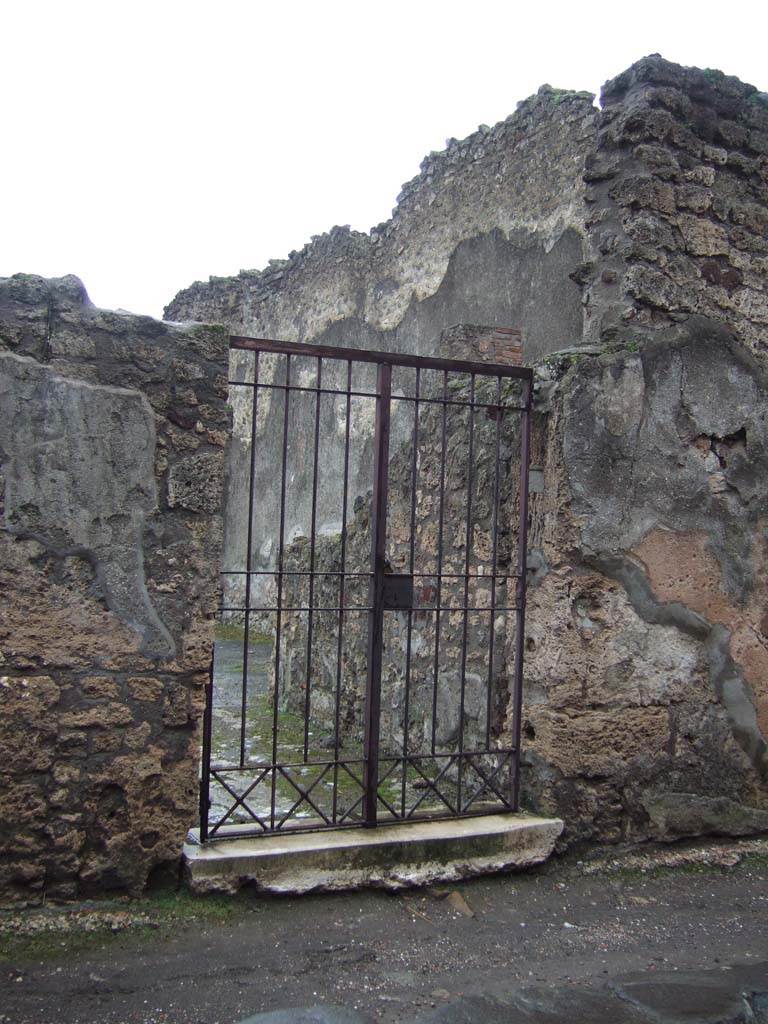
570 925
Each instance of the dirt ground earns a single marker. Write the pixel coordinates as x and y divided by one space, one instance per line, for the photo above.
175 958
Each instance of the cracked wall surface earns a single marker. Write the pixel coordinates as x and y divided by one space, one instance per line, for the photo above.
112 433
648 646
647 653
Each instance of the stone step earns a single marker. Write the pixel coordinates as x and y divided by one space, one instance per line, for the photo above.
390 856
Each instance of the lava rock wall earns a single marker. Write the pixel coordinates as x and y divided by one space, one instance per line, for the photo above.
112 435
647 653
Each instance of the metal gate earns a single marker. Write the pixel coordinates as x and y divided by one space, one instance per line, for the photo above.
369 653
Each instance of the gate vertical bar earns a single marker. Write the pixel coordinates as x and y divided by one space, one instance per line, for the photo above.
205 767
279 601
439 595
342 591
312 531
411 566
494 566
249 554
467 565
522 571
376 614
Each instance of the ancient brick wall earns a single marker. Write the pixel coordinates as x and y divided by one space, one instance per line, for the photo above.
112 434
678 190
647 643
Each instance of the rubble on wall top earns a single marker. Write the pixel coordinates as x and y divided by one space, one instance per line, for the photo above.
458 151
703 84
702 95
344 242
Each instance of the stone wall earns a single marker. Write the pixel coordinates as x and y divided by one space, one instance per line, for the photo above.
112 435
487 233
646 710
647 657
678 191
646 707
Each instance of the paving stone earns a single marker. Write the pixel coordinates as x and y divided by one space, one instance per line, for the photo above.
706 997
569 1004
737 995
563 1005
308 1015
472 1010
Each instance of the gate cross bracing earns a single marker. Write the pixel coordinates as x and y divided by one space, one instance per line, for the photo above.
360 671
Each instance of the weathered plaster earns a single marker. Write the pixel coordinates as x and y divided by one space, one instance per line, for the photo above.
79 478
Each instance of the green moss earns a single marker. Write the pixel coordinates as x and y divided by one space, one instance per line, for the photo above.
290 750
757 861
758 99
713 76
236 631
86 927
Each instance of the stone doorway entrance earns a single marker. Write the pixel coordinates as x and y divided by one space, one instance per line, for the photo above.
368 664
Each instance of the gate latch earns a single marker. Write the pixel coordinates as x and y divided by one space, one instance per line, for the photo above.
397 592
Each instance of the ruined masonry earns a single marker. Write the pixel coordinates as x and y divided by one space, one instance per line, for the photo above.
630 245
112 436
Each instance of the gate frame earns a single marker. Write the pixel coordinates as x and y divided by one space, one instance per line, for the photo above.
385 361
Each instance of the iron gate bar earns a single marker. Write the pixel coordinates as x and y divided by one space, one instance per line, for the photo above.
424 400
340 636
368 608
335 572
522 568
249 556
205 755
383 358
299 607
313 521
376 620
494 566
440 538
344 761
411 555
467 558
374 759
279 615
290 572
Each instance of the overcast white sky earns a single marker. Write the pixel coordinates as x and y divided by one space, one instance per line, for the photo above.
151 144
